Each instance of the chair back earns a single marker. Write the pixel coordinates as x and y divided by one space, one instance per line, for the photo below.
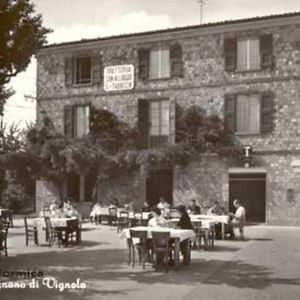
138 215
160 240
6 215
48 225
139 234
112 211
73 225
4 225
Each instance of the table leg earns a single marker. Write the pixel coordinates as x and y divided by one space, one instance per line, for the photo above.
176 253
187 252
223 231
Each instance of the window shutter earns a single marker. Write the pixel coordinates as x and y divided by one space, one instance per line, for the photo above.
96 69
172 121
229 109
68 121
266 51
143 122
230 51
176 60
69 71
143 63
267 112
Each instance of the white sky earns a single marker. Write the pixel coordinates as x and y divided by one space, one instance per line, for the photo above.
77 19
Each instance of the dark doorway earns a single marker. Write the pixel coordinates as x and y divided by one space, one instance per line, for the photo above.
250 189
159 183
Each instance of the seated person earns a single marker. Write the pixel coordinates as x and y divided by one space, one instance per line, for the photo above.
194 209
164 206
95 213
184 218
145 207
215 209
157 219
70 210
238 219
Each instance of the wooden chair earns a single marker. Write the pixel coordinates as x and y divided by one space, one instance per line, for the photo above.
205 234
7 216
162 248
123 221
73 231
30 231
4 225
52 235
141 246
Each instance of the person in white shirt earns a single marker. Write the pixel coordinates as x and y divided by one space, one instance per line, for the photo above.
164 206
157 219
238 218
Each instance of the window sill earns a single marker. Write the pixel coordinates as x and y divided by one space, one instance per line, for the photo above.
77 85
247 71
159 79
247 134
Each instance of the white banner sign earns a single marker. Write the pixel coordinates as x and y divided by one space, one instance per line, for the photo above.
118 78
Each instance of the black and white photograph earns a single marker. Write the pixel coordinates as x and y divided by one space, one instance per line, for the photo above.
149 150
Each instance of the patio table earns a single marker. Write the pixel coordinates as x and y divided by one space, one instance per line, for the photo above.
40 224
178 235
223 219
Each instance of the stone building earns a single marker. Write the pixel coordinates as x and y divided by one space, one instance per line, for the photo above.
246 71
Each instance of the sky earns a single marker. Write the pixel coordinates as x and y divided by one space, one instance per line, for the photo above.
77 19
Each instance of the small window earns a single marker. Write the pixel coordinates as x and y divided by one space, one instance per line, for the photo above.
248 114
82 70
159 63
248 54
159 122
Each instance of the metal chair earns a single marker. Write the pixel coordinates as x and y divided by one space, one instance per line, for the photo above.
4 225
30 231
162 248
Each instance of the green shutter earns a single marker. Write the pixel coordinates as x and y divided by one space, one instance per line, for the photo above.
68 121
172 121
96 71
143 122
266 51
267 112
69 71
176 60
143 63
230 53
229 112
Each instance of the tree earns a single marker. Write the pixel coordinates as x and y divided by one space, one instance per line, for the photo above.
21 35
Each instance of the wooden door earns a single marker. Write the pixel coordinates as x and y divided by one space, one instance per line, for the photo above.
250 189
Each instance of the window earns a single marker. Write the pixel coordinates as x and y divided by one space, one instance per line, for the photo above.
77 120
249 113
82 70
248 54
159 63
82 117
159 122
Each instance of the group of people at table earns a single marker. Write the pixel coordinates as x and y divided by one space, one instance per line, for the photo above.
160 214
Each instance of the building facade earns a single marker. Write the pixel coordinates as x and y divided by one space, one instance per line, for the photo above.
245 71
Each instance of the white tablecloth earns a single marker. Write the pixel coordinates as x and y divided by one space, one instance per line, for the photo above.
217 219
182 234
104 211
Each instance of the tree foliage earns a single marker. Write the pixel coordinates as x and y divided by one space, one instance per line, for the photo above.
21 35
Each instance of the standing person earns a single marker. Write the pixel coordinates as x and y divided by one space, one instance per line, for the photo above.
194 209
238 219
